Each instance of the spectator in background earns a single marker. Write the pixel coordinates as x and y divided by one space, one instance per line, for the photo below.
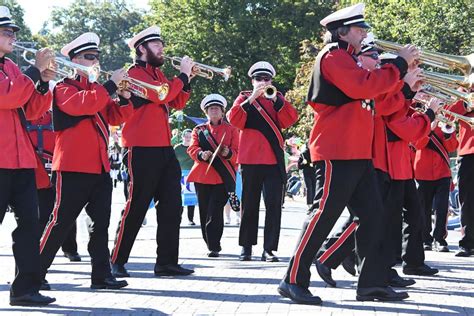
186 162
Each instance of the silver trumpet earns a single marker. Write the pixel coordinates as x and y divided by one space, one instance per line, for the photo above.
65 68
202 70
270 92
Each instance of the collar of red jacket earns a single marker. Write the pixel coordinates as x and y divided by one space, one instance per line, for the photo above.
144 64
346 46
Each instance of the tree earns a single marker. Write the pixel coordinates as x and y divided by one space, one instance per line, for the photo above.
238 34
441 26
18 14
112 20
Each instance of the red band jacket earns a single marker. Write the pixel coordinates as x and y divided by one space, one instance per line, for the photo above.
19 92
82 148
148 126
402 129
231 140
345 130
254 148
428 163
466 134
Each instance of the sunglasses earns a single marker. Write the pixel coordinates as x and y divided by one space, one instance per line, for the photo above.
374 56
262 78
90 56
8 33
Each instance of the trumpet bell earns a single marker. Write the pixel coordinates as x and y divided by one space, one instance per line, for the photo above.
270 92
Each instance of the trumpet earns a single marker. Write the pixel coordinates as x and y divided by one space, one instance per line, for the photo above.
65 68
270 92
447 117
439 60
140 88
203 70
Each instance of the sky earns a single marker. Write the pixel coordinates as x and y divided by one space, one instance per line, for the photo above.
37 11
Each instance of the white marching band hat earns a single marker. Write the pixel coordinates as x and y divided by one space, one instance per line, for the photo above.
213 99
6 19
261 68
150 34
86 41
350 16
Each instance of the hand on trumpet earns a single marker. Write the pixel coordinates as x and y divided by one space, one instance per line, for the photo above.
186 67
43 58
435 104
258 90
118 76
224 151
413 78
50 72
410 53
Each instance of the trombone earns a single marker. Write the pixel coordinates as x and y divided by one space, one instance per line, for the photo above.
140 88
203 70
439 60
65 68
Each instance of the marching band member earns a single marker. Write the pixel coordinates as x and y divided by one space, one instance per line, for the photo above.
43 138
340 93
82 112
465 179
24 96
433 175
214 183
152 165
260 120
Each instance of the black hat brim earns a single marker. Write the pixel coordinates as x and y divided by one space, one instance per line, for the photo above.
361 24
15 27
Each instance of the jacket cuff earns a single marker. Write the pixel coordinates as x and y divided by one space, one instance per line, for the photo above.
278 104
431 114
111 87
407 92
401 64
33 73
42 87
199 157
245 105
229 155
185 79
138 102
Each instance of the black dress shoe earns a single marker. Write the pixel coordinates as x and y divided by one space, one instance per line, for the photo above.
464 252
427 246
73 257
45 286
119 271
34 299
213 254
298 294
246 253
325 273
380 294
398 281
349 265
108 283
269 256
441 246
171 270
421 270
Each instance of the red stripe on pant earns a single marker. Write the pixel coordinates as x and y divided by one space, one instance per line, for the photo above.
126 210
310 228
349 230
52 222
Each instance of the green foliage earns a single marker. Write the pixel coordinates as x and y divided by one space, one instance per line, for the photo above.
237 34
18 13
112 20
435 25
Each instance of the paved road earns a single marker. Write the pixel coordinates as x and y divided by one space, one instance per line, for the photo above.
225 285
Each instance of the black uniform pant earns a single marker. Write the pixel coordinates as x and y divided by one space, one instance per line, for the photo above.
46 204
18 190
404 204
190 212
154 174
434 197
212 199
466 197
254 179
342 244
341 183
309 177
74 191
